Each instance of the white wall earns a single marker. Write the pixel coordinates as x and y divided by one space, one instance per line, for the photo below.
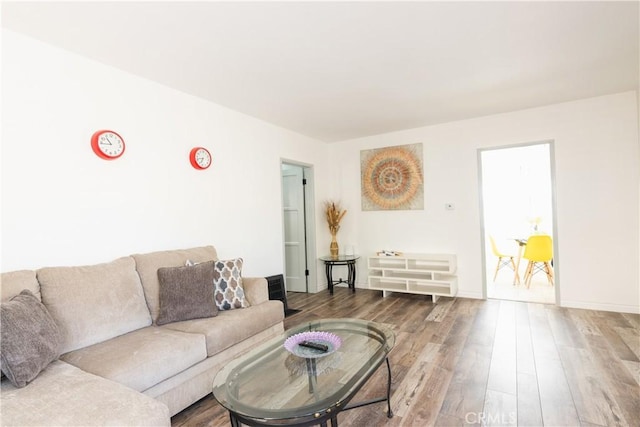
62 205
597 175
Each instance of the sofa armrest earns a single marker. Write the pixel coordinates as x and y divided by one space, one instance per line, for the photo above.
256 289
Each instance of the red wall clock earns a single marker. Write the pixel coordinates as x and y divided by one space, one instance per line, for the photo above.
107 144
200 158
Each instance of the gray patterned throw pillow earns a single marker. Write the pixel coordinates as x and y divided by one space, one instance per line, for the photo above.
227 281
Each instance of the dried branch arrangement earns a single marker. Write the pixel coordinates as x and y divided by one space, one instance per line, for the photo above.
334 213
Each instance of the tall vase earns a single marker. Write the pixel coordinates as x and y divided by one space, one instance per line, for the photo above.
333 248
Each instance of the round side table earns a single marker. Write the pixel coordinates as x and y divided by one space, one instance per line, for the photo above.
349 261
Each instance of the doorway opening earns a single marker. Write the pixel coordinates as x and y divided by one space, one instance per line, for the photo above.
517 202
298 220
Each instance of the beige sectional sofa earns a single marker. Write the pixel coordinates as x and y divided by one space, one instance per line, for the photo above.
117 366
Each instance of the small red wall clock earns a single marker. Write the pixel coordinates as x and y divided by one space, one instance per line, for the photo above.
200 158
107 144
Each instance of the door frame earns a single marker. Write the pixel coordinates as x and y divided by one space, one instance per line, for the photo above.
309 216
554 225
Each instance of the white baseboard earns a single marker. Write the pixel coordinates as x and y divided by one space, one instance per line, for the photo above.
618 308
468 294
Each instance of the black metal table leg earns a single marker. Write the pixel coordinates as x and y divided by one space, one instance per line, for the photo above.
328 268
389 411
352 275
386 398
234 420
312 373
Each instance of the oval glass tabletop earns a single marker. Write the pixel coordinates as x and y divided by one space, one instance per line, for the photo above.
272 383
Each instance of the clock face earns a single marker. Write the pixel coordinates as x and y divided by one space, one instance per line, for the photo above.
200 158
107 144
203 158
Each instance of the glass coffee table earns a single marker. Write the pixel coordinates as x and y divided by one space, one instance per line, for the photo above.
298 385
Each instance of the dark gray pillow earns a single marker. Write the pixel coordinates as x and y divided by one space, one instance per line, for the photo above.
186 293
30 338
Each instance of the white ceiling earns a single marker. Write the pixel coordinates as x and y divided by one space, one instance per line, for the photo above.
341 70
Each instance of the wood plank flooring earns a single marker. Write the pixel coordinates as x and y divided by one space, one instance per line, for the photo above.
473 362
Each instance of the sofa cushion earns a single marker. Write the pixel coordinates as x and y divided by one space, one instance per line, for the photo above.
142 358
148 265
29 338
63 395
94 303
186 293
14 282
227 280
232 326
256 289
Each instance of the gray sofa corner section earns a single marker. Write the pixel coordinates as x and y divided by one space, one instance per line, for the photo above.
63 395
107 312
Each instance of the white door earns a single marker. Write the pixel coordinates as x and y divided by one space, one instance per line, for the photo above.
294 228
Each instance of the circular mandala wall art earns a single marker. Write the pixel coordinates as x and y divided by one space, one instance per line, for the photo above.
392 178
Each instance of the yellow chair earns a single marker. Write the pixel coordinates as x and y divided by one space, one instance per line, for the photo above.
539 252
504 260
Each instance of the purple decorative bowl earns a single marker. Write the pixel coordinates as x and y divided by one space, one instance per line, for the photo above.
329 339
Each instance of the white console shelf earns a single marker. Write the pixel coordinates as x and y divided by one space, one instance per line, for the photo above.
425 274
